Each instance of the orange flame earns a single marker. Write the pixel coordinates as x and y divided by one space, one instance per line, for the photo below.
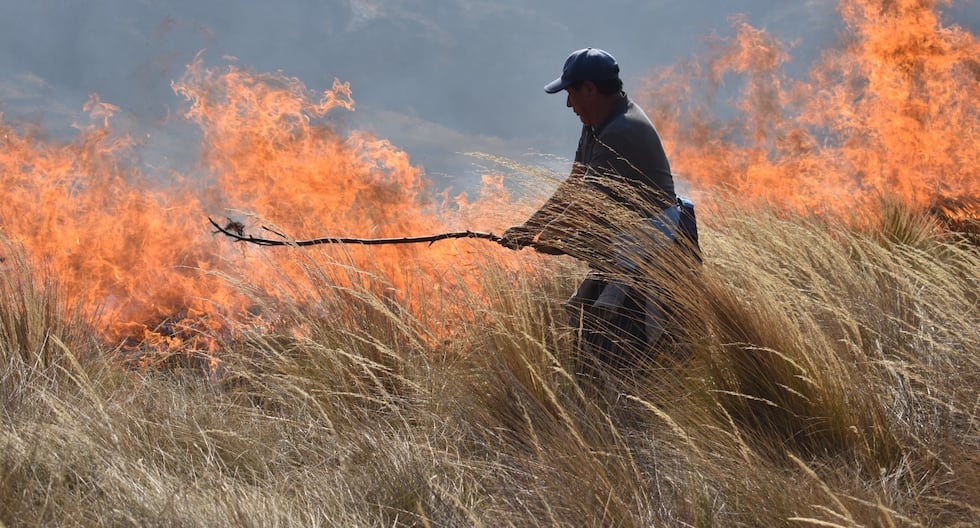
138 249
893 112
84 213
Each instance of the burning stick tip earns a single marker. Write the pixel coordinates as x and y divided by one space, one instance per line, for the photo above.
235 226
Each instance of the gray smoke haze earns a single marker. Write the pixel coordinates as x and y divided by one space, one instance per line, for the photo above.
434 77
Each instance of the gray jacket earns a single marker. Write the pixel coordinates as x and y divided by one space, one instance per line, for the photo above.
624 158
620 166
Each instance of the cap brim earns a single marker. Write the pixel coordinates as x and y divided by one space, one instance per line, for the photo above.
557 85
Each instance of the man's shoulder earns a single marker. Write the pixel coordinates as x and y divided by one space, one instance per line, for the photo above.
630 117
630 127
634 116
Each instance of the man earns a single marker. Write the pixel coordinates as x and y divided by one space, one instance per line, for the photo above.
614 210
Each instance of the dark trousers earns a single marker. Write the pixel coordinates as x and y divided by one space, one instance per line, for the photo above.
613 324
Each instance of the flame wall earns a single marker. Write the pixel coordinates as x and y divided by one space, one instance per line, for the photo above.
891 113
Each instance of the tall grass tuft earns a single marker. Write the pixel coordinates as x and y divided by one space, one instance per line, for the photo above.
37 318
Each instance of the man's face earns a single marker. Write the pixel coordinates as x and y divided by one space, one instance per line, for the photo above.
581 100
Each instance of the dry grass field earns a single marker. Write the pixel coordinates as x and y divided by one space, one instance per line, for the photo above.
824 369
831 377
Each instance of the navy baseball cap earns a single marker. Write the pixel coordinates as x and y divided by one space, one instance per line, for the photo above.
589 64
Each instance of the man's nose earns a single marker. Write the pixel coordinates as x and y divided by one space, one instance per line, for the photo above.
568 100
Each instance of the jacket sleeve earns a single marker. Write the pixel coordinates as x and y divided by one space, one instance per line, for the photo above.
560 206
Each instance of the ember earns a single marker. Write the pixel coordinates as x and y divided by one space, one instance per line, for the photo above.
960 216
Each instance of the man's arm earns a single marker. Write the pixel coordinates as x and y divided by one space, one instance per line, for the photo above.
558 205
632 169
553 215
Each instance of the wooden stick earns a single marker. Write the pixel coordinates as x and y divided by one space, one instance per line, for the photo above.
236 231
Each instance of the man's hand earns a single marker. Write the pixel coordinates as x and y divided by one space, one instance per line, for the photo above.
517 237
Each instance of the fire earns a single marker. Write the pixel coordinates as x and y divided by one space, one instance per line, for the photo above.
110 236
273 152
891 113
138 248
